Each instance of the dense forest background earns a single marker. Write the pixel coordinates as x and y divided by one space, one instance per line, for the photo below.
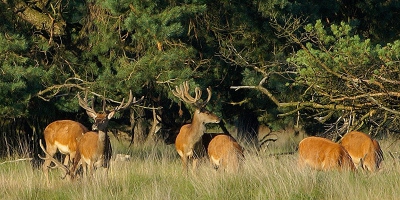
326 66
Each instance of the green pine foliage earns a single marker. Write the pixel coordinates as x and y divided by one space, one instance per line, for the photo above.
343 54
19 76
340 67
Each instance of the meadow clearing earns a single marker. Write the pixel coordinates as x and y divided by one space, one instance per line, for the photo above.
155 172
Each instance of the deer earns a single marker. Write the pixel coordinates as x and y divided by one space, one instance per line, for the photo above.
225 153
322 154
62 136
364 150
94 148
188 141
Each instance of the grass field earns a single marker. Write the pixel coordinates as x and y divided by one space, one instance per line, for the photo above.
156 173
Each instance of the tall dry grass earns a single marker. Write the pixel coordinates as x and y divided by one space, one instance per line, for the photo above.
155 172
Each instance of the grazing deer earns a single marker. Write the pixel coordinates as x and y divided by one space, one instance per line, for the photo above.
94 149
61 135
224 152
364 150
323 154
188 141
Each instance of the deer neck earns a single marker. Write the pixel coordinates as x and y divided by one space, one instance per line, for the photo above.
197 128
101 140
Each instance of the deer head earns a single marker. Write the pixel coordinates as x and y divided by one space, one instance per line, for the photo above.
201 113
101 119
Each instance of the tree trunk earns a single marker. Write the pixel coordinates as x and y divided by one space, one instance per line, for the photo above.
139 126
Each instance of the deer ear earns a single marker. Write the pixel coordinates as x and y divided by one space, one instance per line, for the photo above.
111 114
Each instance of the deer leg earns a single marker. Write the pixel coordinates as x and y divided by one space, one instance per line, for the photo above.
75 165
185 163
90 170
84 167
194 164
66 160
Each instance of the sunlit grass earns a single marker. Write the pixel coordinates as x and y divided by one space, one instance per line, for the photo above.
155 172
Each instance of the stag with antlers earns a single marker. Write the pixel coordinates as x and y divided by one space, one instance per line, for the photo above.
94 148
188 141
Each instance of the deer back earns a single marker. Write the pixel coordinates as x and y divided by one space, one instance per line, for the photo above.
323 154
224 151
363 150
64 134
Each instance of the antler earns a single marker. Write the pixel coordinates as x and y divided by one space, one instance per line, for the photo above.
182 92
49 157
131 101
83 103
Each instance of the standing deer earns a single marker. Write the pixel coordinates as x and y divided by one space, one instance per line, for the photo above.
94 149
364 150
188 142
323 154
61 135
224 152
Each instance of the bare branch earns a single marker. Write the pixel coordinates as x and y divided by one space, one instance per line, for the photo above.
55 89
17 160
384 107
